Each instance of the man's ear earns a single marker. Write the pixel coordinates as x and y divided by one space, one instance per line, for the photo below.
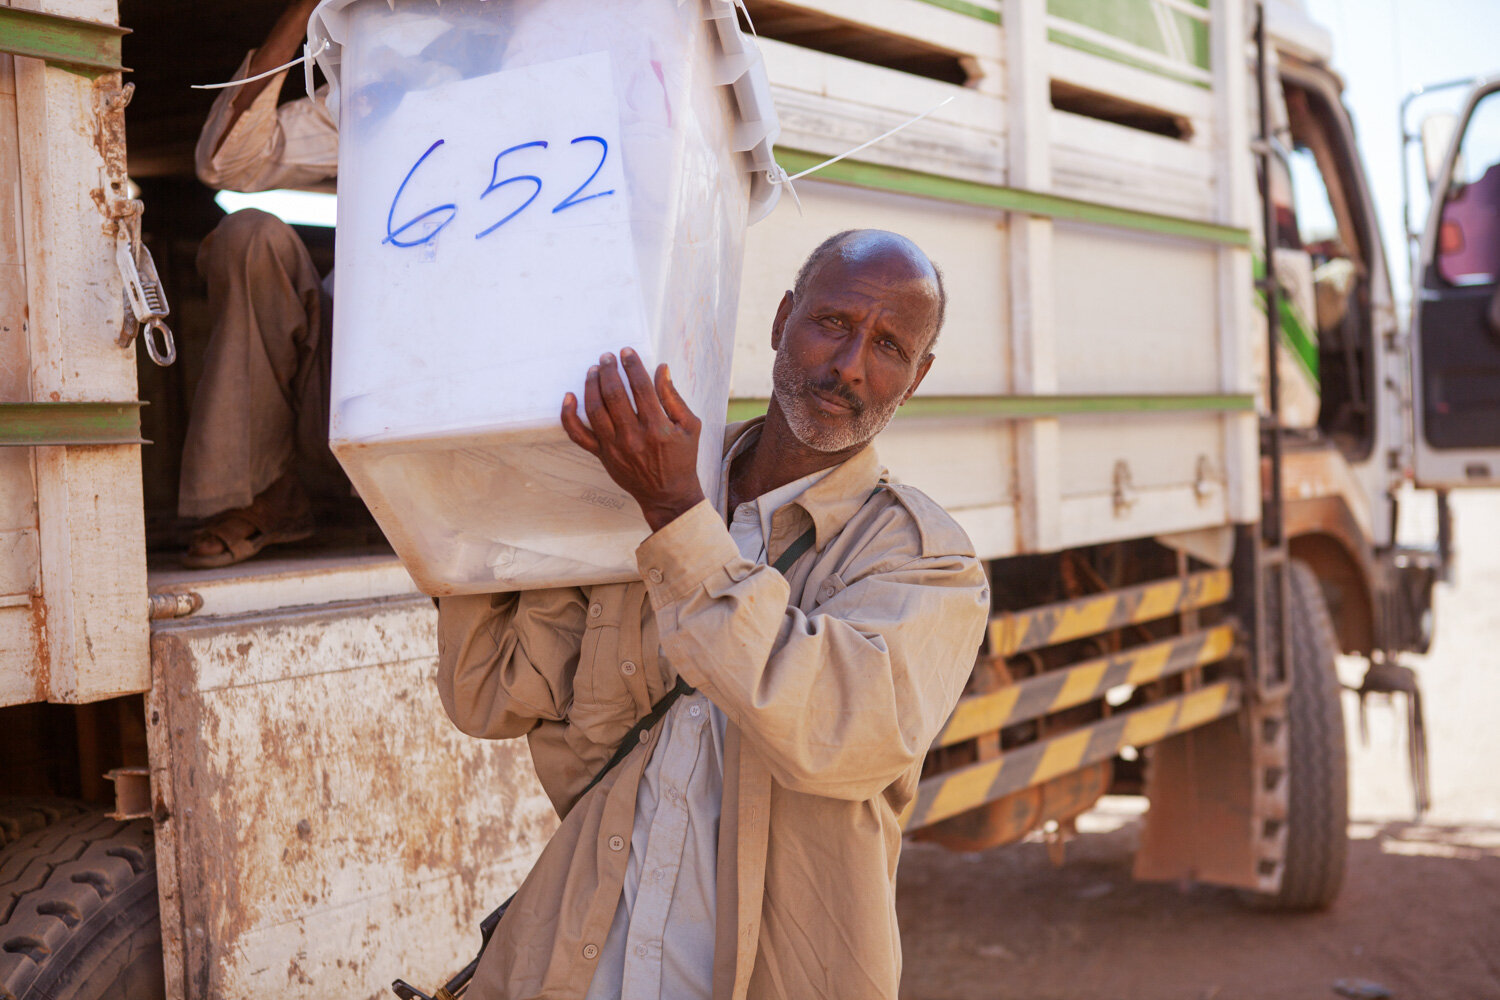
921 374
778 324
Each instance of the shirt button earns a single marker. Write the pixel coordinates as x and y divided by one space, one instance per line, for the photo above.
641 950
654 575
595 610
627 668
617 843
695 711
645 736
591 951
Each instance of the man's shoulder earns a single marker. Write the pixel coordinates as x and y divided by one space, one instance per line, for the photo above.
938 533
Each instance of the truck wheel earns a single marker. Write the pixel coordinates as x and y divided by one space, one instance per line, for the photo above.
1317 771
20 816
78 912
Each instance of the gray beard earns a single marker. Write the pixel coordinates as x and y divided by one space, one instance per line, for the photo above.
791 389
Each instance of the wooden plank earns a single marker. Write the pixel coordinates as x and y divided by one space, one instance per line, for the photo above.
1235 192
829 105
1135 313
323 853
1160 449
1107 76
1095 518
1030 275
269 583
18 563
931 23
1103 162
22 679
89 498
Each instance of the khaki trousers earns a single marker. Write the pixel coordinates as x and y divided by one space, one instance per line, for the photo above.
261 408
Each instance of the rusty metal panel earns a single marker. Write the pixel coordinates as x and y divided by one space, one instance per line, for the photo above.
322 827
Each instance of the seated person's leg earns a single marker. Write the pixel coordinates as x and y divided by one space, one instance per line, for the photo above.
266 347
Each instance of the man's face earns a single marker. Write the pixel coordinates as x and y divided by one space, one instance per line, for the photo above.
852 347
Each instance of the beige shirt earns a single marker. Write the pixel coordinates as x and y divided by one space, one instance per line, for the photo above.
834 680
661 944
295 144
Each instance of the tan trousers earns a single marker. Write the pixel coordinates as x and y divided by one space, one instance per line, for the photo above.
261 408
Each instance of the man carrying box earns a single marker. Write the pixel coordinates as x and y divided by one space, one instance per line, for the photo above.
814 646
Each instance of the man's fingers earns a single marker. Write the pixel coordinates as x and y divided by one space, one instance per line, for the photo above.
577 432
593 405
672 403
646 403
616 399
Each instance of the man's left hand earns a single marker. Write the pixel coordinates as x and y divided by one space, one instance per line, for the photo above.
649 449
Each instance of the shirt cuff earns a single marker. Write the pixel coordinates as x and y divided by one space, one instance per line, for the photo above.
685 553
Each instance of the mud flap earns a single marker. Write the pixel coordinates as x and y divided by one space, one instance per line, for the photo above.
1218 805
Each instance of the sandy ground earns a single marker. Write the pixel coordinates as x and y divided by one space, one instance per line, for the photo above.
1419 915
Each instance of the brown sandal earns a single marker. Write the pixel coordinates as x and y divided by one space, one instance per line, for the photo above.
278 514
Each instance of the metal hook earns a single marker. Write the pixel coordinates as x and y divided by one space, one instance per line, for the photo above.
167 352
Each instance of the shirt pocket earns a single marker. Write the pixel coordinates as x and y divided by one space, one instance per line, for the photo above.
603 708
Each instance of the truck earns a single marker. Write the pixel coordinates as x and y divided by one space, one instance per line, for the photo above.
1174 407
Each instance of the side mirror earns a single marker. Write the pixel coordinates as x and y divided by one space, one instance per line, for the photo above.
1437 133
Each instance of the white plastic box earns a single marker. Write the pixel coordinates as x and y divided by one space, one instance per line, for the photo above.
523 185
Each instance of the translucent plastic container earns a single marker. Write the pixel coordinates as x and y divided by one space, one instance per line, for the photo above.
524 184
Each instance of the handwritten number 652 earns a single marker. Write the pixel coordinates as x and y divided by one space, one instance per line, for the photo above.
577 197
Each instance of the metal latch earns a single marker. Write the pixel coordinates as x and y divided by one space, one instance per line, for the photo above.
145 299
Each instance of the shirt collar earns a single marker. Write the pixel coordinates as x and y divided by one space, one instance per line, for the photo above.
830 501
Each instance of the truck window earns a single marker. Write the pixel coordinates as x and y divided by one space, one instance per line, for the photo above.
1468 250
1331 225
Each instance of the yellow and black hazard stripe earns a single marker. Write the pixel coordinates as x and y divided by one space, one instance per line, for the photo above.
1083 682
1050 624
961 789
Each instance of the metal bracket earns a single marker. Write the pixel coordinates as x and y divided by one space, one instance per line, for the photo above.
1125 494
45 424
62 41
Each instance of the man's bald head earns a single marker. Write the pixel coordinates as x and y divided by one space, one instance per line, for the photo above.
877 245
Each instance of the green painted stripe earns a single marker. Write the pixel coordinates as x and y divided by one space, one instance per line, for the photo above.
1124 58
66 41
32 424
1296 333
1019 407
967 9
858 173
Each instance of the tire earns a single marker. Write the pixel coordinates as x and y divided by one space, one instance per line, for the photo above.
78 912
1317 768
20 816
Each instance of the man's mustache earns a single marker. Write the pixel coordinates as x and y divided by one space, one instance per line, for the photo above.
835 387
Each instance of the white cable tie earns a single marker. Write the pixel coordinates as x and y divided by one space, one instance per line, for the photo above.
866 145
743 6
305 56
776 174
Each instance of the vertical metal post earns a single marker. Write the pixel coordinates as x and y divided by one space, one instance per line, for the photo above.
1273 592
1272 526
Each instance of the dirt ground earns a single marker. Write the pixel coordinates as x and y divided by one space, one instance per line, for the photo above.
1419 915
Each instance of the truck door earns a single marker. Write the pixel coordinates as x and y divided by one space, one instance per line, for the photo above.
1456 308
